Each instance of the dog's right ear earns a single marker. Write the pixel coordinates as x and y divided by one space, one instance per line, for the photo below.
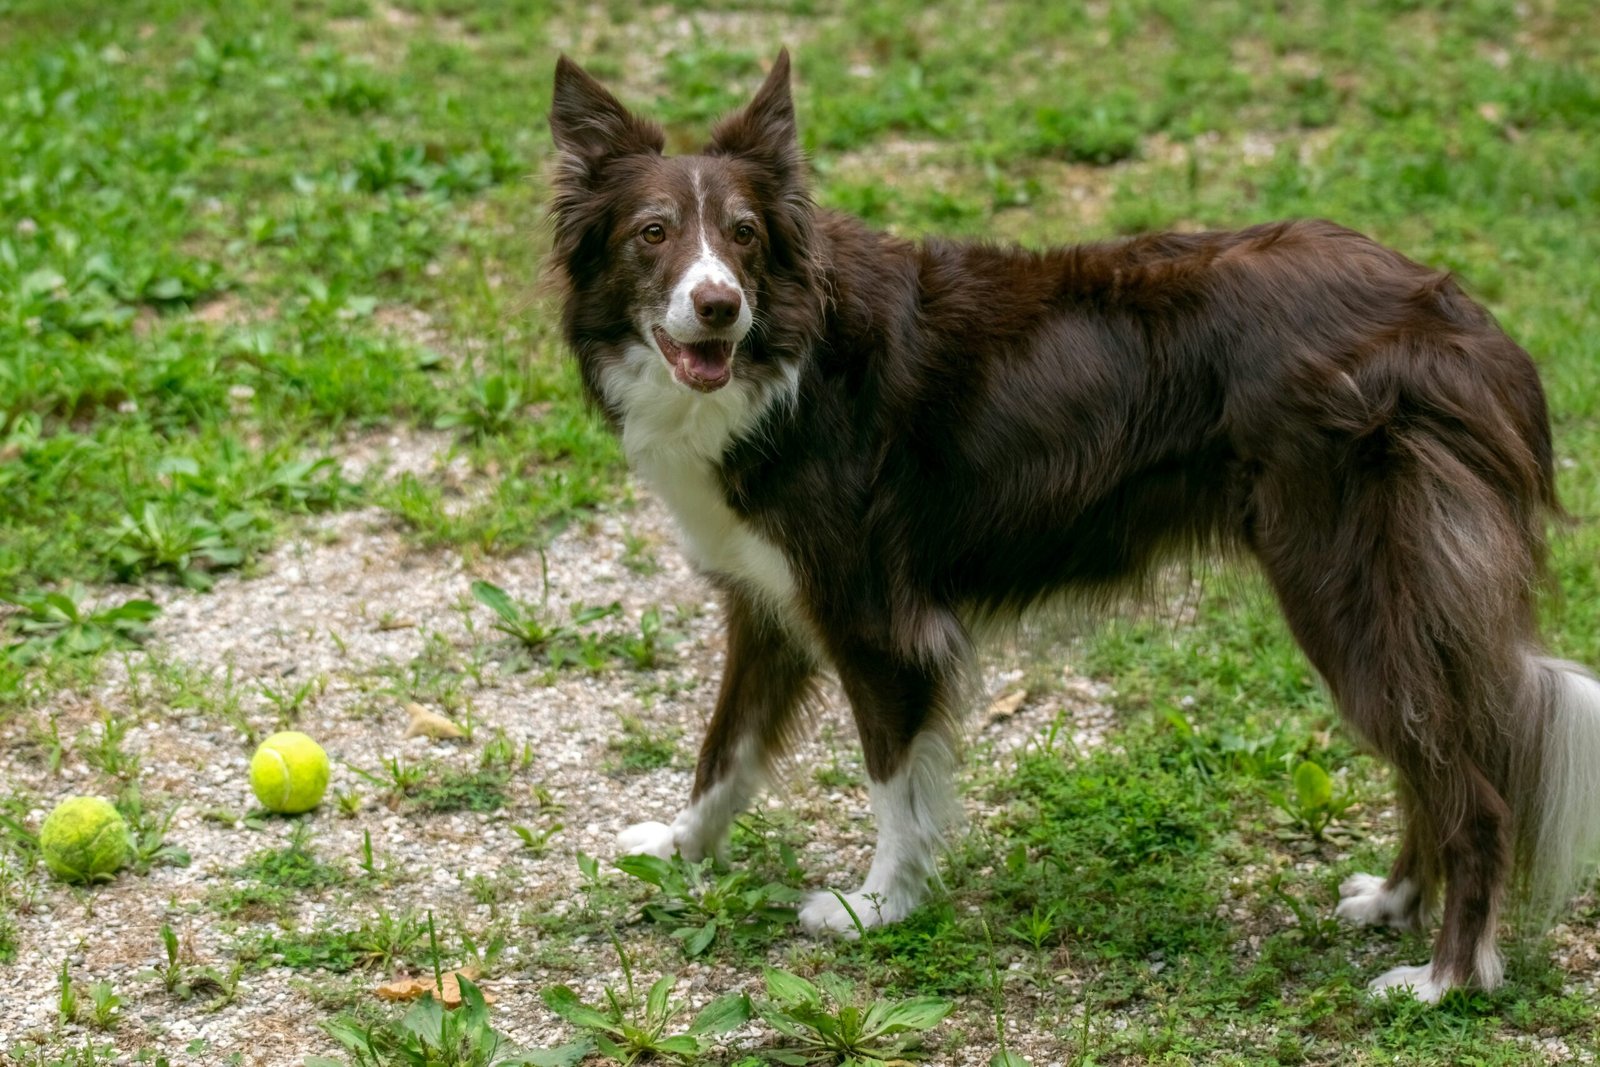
591 126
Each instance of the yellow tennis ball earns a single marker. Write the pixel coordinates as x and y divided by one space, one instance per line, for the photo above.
84 839
289 773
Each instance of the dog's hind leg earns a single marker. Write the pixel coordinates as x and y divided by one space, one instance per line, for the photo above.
902 709
1407 581
1403 899
765 679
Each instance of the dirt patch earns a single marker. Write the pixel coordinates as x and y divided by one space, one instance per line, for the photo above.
348 610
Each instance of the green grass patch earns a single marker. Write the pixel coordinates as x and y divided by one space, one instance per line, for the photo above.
482 789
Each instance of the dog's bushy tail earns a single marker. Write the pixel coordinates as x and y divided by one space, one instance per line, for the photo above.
1557 790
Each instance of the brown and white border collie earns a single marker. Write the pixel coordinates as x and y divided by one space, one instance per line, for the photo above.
872 446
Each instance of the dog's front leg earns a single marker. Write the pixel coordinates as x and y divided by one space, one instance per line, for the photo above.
765 678
903 713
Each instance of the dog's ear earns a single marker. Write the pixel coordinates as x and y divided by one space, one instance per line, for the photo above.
764 130
591 126
763 134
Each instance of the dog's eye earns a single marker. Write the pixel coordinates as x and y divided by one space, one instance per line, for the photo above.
653 234
744 233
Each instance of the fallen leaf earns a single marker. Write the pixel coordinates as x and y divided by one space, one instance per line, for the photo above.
1006 705
425 723
448 991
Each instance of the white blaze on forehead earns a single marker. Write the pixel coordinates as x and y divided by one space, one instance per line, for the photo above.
682 323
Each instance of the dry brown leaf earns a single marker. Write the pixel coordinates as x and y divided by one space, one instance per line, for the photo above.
1006 705
425 723
448 991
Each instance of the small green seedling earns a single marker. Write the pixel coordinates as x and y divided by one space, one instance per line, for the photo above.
1312 806
105 1007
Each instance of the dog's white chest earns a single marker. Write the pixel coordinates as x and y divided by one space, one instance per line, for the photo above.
716 539
673 439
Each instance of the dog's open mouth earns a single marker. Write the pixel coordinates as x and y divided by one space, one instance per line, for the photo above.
702 365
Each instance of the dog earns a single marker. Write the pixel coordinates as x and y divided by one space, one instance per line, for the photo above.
875 447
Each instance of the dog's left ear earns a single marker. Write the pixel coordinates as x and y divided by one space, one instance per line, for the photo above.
764 130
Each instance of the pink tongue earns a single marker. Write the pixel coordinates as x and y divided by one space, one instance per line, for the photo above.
707 360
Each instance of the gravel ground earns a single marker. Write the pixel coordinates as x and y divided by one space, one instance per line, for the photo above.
347 601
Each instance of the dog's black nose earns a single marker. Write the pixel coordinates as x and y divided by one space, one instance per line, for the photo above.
717 305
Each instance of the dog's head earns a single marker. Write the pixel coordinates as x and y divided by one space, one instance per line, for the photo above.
695 258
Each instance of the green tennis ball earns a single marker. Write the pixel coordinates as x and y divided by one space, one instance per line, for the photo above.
84 840
289 773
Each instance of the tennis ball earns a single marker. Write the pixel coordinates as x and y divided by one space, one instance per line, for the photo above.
289 773
84 839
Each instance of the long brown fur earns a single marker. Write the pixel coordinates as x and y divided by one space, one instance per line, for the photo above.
975 428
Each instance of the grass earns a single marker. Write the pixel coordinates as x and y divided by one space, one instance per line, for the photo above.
242 244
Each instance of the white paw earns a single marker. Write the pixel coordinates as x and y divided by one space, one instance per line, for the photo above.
825 913
649 839
1364 901
1420 980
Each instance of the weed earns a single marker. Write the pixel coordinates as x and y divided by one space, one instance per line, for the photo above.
517 621
8 936
388 937
500 751
637 555
829 1021
835 775
60 622
105 1006
67 1005
162 538
289 701
15 835
48 1052
1003 1056
106 753
488 408
380 942
645 651
270 879
148 832
47 740
570 644
484 954
171 973
184 980
429 1036
625 1029
175 684
399 778
477 790
1038 927
348 803
1315 927
698 903
1312 805
640 749
537 841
